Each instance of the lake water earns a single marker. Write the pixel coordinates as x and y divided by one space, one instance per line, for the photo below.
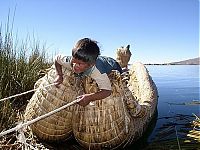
178 87
177 84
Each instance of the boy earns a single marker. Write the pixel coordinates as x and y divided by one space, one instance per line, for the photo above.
85 61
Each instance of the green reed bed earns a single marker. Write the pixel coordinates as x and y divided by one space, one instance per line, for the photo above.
21 65
174 134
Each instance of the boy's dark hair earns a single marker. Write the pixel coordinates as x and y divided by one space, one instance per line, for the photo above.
86 50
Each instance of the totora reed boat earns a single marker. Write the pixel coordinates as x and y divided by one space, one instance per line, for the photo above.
113 122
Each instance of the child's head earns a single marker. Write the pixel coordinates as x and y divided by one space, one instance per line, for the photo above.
86 50
84 54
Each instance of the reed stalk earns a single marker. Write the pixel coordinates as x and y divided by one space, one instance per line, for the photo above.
21 65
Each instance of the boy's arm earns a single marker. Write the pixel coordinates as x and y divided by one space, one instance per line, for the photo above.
58 68
87 98
59 73
104 86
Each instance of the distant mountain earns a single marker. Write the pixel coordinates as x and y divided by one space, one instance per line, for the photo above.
194 61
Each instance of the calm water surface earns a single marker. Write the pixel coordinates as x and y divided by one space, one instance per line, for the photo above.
178 86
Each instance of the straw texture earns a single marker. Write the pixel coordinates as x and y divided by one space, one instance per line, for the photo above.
111 123
195 132
114 121
59 125
123 56
106 123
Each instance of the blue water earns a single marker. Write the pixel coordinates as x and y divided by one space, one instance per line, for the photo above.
177 84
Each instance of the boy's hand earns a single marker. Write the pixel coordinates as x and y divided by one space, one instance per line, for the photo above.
84 100
58 80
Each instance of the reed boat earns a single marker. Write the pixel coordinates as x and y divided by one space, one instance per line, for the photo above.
110 123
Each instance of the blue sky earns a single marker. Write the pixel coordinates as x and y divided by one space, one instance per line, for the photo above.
158 31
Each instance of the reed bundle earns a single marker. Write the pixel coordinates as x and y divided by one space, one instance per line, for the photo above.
59 125
195 132
123 56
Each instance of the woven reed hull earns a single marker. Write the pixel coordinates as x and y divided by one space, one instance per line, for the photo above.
145 93
46 99
106 123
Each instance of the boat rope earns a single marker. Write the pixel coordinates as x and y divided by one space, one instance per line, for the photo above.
1 100
22 125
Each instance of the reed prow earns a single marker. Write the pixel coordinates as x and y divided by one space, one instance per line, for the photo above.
123 56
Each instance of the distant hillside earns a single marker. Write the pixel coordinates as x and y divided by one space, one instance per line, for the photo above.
194 61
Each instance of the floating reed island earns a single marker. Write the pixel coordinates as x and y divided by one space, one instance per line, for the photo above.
113 122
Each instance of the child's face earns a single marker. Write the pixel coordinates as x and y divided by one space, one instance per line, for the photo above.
80 66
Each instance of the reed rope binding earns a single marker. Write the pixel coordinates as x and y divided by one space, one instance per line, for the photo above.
21 125
1 100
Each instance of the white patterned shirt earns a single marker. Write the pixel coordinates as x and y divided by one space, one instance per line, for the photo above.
102 80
